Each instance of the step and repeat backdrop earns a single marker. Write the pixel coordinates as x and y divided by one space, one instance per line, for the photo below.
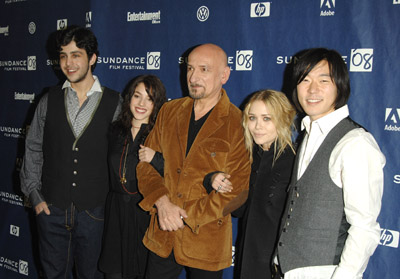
261 40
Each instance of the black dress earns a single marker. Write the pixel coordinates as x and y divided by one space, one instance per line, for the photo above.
261 214
125 222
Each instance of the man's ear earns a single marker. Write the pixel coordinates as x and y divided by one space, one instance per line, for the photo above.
225 74
92 59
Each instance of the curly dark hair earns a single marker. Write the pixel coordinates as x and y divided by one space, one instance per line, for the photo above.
83 37
157 93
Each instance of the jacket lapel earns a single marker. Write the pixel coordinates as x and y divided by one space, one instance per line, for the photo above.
183 119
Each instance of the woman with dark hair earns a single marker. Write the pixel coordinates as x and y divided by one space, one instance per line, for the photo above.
268 123
123 253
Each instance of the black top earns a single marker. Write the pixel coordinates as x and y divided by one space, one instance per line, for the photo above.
125 222
262 212
194 128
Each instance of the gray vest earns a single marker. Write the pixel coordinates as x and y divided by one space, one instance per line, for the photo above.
314 227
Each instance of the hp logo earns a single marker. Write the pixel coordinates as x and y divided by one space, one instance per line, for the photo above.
61 24
261 9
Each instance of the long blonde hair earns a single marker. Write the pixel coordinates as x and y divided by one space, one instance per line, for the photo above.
282 115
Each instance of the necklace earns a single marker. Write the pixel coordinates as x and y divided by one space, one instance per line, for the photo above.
122 178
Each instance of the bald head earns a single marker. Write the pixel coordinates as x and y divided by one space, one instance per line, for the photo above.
213 51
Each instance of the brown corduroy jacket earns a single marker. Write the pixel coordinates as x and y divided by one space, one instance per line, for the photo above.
206 240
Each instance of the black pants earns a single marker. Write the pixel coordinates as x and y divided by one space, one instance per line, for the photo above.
168 268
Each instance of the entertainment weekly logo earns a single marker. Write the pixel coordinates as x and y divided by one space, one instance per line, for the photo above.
154 17
389 238
152 61
22 96
392 119
18 266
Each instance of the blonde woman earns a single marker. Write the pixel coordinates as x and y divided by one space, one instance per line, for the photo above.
268 121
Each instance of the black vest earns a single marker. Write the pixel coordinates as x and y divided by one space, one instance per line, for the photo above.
75 171
314 227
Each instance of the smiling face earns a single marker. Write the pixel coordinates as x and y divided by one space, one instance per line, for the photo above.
317 92
206 72
75 64
141 105
260 125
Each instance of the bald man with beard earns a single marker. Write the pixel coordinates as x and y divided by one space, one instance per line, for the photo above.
190 225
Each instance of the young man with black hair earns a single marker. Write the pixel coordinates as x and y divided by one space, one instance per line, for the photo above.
330 228
65 172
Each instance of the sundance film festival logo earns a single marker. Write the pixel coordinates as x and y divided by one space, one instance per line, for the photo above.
14 230
261 9
327 7
19 65
389 238
4 30
20 266
396 179
203 13
244 60
11 198
153 60
88 19
361 60
62 24
392 116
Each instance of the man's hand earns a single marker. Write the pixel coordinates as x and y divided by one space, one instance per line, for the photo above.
170 215
42 207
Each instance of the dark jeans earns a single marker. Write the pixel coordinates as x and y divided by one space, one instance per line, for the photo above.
68 238
168 268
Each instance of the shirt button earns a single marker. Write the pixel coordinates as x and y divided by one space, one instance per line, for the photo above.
178 170
74 184
75 172
220 222
280 244
213 154
75 161
297 195
270 195
179 195
76 149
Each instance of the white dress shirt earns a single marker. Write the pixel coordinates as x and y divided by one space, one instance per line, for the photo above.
356 165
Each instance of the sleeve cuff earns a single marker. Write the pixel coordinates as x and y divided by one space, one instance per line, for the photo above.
36 197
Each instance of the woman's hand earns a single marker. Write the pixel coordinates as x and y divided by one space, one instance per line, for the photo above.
146 154
220 182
